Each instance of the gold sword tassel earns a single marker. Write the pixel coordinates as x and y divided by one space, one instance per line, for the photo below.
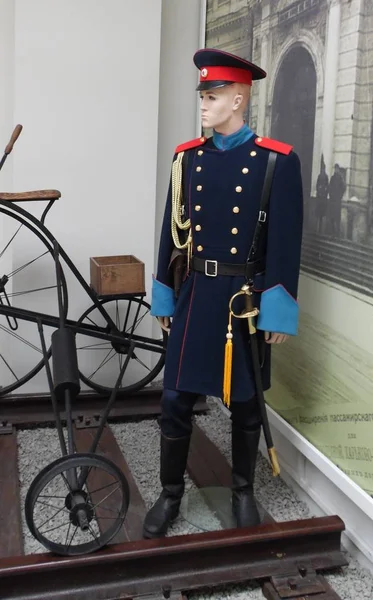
228 354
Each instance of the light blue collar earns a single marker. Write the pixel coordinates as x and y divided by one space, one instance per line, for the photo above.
226 142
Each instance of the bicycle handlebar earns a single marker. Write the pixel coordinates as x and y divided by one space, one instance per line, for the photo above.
13 139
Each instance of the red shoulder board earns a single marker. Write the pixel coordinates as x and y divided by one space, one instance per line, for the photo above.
191 144
273 145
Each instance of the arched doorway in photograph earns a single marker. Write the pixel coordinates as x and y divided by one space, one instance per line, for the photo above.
294 108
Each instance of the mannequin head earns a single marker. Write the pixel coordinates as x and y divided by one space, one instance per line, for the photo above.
223 108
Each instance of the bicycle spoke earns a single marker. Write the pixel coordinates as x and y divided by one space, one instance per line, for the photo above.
73 535
92 321
49 287
103 487
118 317
86 475
103 363
66 482
53 528
67 535
20 338
93 347
134 327
9 367
50 519
26 265
52 497
50 505
11 239
106 497
94 535
141 363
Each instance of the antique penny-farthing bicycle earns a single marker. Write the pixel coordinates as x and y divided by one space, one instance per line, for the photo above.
114 346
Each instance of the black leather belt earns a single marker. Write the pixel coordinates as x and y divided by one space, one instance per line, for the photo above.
212 268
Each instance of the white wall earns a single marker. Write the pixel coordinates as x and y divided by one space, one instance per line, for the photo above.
6 124
7 83
86 91
177 89
86 81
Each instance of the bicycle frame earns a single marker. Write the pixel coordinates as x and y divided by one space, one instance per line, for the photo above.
94 331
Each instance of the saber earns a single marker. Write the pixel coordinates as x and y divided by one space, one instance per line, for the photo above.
251 313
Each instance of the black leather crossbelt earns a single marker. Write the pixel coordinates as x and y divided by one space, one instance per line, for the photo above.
212 268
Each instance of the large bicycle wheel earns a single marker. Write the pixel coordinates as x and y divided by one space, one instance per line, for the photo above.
100 362
28 281
77 504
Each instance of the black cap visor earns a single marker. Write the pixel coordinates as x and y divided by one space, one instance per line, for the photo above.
209 85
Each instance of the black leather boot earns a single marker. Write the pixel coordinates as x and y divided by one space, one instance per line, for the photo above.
174 456
244 452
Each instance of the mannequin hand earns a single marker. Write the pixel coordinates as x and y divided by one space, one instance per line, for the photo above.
275 338
165 323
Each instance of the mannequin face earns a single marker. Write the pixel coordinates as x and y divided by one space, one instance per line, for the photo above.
221 107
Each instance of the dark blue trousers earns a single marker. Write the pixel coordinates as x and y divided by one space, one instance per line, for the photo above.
177 411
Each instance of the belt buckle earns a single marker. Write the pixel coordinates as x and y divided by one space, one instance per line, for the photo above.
215 264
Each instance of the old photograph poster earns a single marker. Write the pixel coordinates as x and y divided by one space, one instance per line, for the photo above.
318 96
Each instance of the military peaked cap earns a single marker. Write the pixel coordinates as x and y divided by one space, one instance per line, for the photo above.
218 68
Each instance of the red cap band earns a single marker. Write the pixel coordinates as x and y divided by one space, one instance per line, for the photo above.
226 74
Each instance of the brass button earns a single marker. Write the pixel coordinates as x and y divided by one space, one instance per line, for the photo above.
199 188
200 152
199 248
236 209
197 207
234 230
259 139
198 169
238 189
245 170
198 227
202 139
233 250
253 153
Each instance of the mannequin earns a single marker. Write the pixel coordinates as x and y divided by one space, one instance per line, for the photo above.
222 179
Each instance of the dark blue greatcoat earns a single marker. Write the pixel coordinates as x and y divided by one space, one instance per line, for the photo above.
224 190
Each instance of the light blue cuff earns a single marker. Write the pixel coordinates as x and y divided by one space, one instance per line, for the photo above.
163 300
278 312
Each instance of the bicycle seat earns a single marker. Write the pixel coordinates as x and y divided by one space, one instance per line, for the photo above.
29 196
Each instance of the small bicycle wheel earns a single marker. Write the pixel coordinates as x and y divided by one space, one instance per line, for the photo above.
77 504
27 281
100 362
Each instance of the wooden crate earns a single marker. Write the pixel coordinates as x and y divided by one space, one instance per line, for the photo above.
112 275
